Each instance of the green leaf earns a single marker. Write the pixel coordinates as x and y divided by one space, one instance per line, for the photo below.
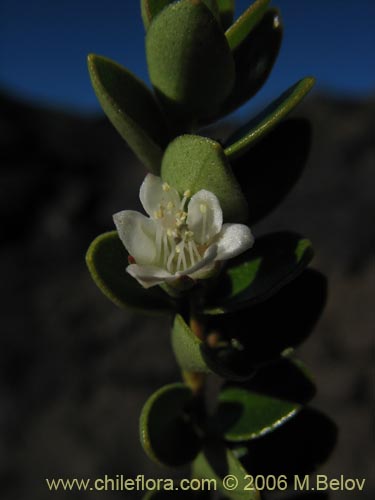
270 169
254 59
226 10
246 137
246 415
216 462
107 259
249 338
131 108
150 9
295 448
237 33
266 401
166 429
189 60
187 347
193 162
256 275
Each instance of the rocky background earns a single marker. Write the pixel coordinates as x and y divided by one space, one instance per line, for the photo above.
75 370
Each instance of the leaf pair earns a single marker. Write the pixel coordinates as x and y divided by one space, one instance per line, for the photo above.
170 434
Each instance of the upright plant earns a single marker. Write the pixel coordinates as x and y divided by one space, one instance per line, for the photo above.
239 305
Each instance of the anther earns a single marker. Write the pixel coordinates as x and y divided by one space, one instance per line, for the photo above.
166 187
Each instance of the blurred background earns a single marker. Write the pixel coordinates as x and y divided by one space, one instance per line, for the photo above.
75 370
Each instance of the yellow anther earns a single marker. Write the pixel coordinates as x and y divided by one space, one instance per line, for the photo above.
170 205
202 208
187 193
158 214
170 233
166 187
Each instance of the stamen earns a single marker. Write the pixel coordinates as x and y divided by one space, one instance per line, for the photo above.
159 232
170 205
166 249
203 210
166 187
191 253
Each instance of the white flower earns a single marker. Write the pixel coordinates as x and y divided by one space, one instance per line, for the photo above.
181 237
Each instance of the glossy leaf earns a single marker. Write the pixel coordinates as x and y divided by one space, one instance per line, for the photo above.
241 28
265 402
246 339
256 275
131 108
246 415
187 347
254 59
189 60
263 123
297 447
216 462
150 9
226 11
166 430
193 162
271 168
107 259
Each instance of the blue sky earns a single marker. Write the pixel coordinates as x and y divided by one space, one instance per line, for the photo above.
44 43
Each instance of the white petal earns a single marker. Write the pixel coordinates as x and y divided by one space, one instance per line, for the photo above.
208 261
148 276
205 216
138 234
233 240
153 195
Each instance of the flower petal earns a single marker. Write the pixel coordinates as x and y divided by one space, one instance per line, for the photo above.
233 240
204 265
138 234
154 194
149 276
205 216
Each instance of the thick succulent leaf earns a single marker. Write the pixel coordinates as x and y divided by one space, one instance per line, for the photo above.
216 462
189 60
166 430
245 138
240 29
226 11
194 162
249 338
150 9
265 402
254 59
270 169
187 347
131 108
297 447
274 261
107 260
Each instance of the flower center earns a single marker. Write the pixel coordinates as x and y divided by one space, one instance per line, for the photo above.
176 247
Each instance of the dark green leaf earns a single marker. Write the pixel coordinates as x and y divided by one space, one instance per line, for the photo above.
189 60
131 108
251 337
246 137
226 10
297 447
254 59
245 415
166 430
187 347
193 162
274 260
150 9
270 169
263 403
237 33
216 462
107 260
